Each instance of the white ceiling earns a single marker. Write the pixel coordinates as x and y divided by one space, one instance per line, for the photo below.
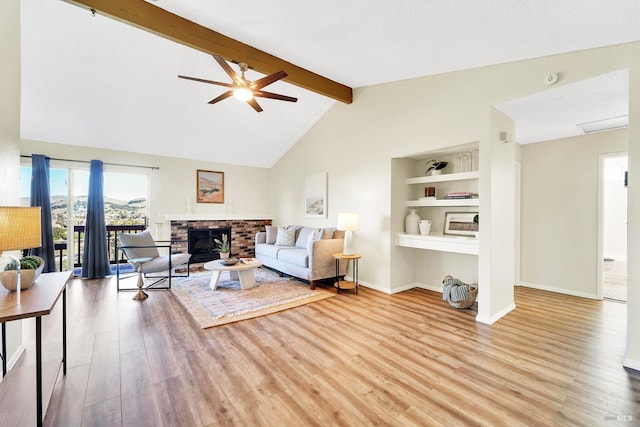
93 81
558 112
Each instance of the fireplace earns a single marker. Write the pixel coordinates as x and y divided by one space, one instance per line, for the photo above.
202 244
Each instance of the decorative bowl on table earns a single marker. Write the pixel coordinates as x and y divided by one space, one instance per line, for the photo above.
9 276
228 261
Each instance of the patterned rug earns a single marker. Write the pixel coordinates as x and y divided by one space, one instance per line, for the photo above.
229 303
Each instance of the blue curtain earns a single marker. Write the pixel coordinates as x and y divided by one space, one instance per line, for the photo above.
40 196
95 259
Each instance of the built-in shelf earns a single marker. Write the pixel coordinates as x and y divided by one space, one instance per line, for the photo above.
440 242
444 178
443 202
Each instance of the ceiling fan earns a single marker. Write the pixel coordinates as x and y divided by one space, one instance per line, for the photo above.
243 89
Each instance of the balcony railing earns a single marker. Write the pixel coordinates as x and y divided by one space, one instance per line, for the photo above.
78 238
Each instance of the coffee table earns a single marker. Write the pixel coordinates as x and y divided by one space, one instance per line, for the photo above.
241 271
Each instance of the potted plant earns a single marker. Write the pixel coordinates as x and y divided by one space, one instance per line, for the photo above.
224 246
30 269
435 167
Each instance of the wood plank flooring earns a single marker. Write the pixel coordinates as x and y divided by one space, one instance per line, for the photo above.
353 360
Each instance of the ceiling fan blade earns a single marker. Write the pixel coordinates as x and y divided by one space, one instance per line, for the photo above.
221 97
227 69
267 80
263 94
206 81
254 104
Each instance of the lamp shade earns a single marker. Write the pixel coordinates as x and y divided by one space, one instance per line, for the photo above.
19 228
348 221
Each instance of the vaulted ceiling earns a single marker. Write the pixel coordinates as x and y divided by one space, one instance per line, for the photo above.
95 81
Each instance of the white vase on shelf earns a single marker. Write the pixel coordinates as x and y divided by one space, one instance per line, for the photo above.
411 223
425 227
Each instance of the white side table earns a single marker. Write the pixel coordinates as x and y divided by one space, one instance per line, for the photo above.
243 272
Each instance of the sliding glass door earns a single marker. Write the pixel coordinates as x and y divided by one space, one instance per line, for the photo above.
125 203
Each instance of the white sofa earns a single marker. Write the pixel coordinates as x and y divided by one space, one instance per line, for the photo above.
309 258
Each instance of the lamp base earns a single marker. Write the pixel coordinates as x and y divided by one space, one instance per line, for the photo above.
348 243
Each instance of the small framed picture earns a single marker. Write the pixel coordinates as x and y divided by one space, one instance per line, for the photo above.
210 186
315 196
461 223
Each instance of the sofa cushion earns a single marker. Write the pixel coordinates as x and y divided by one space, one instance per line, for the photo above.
286 236
295 256
303 237
270 251
272 233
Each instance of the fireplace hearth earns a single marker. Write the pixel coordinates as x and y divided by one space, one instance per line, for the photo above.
201 243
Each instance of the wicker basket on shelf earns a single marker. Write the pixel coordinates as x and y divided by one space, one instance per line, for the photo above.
472 294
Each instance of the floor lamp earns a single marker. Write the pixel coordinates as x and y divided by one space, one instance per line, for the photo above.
348 222
20 228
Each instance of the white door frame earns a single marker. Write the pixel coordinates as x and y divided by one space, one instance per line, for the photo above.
600 260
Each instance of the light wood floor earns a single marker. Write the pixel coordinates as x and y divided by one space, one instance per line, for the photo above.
371 359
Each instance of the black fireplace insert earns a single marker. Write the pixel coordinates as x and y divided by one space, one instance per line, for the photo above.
202 243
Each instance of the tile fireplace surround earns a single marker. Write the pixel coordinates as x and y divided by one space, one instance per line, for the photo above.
243 232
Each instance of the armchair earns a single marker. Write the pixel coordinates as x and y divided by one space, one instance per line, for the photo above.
142 245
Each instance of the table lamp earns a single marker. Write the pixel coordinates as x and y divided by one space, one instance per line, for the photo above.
348 222
19 229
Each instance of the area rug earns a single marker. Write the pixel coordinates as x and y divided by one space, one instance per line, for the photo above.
229 303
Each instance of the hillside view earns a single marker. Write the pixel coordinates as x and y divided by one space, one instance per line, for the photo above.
117 212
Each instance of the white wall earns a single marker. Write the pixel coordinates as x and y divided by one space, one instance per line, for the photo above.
247 188
10 130
560 211
355 144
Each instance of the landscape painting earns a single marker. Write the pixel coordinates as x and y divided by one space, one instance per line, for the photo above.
315 196
210 186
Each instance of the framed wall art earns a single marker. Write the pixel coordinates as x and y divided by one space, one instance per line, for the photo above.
461 223
315 196
210 186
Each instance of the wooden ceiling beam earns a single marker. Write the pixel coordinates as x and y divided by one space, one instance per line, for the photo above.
173 27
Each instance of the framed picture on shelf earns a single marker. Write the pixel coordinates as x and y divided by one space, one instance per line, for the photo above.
461 223
210 186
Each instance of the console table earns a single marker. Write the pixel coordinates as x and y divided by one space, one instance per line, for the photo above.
37 301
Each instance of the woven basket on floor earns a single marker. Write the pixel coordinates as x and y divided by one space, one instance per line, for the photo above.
472 294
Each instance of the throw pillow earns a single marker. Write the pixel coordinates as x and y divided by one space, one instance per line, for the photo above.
286 236
327 233
315 235
272 232
303 237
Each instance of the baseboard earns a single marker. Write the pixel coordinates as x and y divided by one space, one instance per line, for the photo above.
16 356
632 364
374 287
559 290
499 315
435 288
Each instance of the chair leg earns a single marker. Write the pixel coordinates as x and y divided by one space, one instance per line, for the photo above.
140 295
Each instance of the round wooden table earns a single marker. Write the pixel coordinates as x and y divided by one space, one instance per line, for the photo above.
346 284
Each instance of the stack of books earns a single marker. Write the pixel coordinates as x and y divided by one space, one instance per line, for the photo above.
459 195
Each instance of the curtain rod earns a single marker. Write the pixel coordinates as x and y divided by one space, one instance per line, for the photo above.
104 163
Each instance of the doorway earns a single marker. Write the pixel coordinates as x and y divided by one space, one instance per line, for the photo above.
613 218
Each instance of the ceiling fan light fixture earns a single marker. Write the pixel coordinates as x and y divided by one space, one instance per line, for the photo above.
243 93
